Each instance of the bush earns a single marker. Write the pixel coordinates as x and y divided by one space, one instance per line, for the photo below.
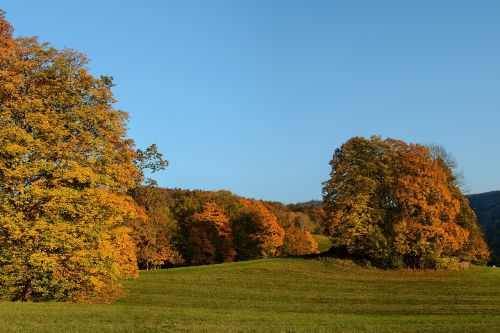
447 263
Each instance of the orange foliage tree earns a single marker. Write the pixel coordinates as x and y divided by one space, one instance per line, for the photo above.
298 240
425 228
220 227
258 233
210 236
66 167
395 204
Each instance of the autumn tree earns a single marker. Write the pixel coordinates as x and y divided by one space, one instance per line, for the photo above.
396 203
257 233
298 240
156 233
213 227
220 226
312 216
438 151
210 236
66 168
426 228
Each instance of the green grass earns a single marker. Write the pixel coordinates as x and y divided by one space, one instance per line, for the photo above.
280 295
324 243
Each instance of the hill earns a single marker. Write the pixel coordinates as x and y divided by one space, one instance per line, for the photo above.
280 295
487 208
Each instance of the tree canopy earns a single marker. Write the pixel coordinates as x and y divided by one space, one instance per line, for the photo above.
397 204
66 167
200 227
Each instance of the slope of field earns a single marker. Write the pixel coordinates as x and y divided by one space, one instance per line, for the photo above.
280 295
324 243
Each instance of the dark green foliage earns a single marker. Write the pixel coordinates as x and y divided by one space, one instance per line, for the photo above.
152 160
487 208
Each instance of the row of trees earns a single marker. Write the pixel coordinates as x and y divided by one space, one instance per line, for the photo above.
197 227
399 204
310 215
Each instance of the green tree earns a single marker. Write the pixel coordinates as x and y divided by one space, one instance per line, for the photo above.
66 168
150 159
487 207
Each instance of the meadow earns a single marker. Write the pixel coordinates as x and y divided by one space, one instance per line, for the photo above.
324 243
280 295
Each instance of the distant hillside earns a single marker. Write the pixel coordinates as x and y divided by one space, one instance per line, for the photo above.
487 208
305 205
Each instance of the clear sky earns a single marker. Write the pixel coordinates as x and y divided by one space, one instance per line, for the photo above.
254 96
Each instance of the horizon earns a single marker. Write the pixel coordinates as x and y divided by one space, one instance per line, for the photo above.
254 97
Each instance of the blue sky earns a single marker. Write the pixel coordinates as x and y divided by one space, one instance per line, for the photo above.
254 96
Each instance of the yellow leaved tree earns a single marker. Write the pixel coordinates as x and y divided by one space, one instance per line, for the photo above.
66 168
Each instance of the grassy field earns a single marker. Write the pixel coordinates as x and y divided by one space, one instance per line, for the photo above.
324 243
280 295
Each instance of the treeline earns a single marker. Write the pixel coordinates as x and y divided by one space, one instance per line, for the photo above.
311 215
487 208
182 227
